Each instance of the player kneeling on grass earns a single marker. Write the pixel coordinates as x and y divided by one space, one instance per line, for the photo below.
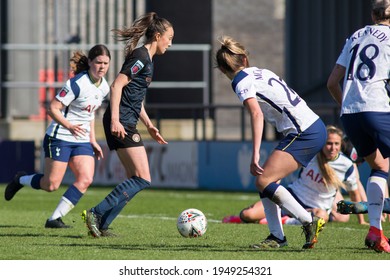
70 138
317 186
267 97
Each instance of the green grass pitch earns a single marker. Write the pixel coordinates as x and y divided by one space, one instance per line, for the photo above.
147 230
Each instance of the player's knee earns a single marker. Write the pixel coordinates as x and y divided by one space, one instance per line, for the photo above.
83 183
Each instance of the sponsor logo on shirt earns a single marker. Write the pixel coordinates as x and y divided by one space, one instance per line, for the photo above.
138 65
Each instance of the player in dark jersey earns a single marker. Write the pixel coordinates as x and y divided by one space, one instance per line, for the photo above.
121 117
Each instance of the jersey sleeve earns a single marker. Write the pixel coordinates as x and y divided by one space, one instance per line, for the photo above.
350 181
133 64
66 95
245 89
343 57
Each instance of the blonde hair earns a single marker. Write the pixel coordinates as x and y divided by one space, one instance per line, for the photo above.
328 174
231 56
147 25
381 10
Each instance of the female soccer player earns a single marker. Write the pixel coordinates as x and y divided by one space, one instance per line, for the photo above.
365 109
268 97
126 108
317 186
70 138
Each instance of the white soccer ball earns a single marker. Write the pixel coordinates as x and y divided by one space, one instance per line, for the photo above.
192 223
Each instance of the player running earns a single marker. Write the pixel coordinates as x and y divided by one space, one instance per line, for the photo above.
70 138
268 97
125 110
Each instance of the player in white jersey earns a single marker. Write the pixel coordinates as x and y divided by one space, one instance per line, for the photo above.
317 186
319 183
364 64
267 97
70 138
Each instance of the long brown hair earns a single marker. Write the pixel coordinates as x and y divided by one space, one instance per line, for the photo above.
147 25
328 174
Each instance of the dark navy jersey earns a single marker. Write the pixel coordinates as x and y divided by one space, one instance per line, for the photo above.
139 68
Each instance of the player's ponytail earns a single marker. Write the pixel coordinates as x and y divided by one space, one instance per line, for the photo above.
78 62
147 25
231 56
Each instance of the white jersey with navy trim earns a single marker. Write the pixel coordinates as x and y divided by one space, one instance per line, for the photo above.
81 98
310 188
366 57
281 106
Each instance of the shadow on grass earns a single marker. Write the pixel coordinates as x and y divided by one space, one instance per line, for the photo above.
40 235
173 248
15 226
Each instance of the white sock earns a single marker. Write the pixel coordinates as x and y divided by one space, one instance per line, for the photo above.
63 208
273 215
288 203
375 196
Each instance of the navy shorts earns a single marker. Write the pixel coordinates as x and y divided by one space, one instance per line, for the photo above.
305 145
60 150
368 131
132 139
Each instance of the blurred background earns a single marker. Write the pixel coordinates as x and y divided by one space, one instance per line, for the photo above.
191 102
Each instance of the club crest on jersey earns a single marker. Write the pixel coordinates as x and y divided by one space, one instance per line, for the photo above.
63 92
138 65
136 138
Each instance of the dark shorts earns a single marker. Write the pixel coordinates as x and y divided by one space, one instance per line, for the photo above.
305 145
60 150
368 131
132 139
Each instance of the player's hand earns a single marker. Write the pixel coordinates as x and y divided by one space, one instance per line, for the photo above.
256 169
97 150
118 130
154 132
77 130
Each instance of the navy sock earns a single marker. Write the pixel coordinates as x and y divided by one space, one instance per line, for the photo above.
269 191
36 181
386 206
113 204
73 194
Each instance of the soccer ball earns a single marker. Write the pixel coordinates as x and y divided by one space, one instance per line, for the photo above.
192 223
